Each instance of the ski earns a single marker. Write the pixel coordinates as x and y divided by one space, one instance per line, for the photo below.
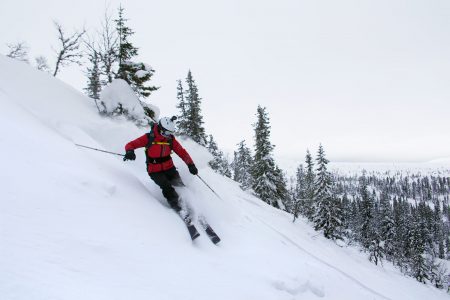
193 232
209 231
185 214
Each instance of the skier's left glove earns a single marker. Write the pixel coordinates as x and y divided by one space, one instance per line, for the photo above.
129 155
193 169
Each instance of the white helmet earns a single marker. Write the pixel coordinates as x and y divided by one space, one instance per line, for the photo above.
167 126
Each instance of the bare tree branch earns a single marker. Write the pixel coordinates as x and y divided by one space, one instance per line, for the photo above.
18 51
108 46
69 52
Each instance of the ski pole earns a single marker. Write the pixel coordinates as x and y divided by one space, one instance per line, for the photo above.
99 150
209 187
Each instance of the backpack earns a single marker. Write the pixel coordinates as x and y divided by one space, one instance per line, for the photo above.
151 141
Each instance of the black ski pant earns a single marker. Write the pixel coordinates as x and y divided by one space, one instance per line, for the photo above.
166 180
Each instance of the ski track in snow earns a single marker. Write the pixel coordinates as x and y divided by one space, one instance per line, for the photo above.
356 281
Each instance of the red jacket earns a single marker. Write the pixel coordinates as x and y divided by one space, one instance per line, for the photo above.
159 151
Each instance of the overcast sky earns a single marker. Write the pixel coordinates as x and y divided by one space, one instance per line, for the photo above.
370 80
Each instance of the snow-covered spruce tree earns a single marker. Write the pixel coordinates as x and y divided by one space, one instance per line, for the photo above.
447 247
93 87
403 225
241 166
328 216
136 74
126 50
289 204
219 162
194 120
182 118
298 197
387 225
309 187
118 99
367 215
347 216
282 190
437 230
437 272
418 261
263 169
376 248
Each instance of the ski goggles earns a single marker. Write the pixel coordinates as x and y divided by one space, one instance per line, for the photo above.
166 132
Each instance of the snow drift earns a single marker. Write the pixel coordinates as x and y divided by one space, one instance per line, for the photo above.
79 224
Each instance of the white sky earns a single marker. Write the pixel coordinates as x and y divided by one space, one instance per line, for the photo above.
370 80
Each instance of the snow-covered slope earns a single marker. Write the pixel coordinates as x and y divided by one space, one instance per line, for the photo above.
79 224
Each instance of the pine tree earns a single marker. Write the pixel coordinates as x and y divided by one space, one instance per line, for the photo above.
136 74
418 234
263 169
447 247
281 186
182 120
403 225
299 202
292 201
436 271
93 87
367 214
347 215
193 112
241 165
126 50
328 216
387 226
219 163
322 184
437 229
309 187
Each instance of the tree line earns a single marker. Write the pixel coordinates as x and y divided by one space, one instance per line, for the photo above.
401 218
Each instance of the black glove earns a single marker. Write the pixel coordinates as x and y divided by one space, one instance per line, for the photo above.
129 155
193 169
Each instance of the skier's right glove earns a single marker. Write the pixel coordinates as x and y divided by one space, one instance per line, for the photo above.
129 155
193 169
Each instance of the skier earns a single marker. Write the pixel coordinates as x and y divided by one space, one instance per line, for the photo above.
159 144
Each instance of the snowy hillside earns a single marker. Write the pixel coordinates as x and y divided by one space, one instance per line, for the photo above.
79 224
